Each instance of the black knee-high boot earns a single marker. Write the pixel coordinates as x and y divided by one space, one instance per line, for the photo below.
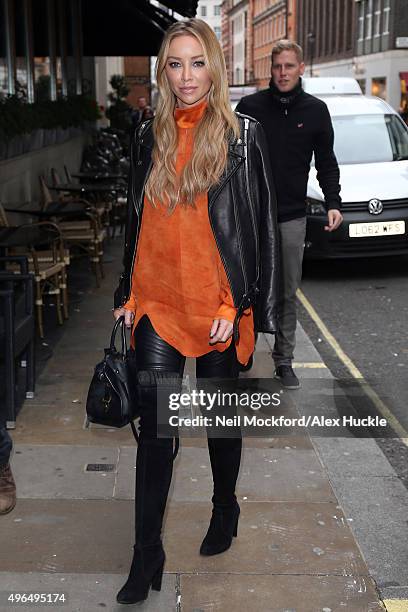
154 466
225 457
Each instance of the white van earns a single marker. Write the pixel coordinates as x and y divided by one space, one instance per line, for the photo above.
331 86
371 146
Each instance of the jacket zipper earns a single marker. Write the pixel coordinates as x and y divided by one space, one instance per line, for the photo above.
246 123
210 203
238 224
138 217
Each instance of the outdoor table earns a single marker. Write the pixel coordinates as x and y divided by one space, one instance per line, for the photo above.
99 176
95 188
24 236
53 210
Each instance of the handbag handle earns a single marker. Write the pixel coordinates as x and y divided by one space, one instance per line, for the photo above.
120 322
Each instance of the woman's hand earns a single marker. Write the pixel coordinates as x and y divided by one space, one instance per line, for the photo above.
128 314
221 330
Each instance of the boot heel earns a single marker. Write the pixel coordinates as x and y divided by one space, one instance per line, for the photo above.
157 579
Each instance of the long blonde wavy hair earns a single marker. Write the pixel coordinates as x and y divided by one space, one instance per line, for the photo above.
217 126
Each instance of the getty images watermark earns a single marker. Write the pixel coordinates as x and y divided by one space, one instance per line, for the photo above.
261 408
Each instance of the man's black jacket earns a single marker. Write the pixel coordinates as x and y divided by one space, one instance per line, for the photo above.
296 124
242 215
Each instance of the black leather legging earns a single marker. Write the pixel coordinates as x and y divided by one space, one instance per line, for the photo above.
153 353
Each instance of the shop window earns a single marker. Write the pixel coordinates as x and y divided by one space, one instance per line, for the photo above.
361 7
386 17
403 108
377 17
379 87
369 19
42 78
21 80
3 54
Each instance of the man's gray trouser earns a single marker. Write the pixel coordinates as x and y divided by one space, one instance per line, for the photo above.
292 242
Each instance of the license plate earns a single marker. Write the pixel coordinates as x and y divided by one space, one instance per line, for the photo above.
376 228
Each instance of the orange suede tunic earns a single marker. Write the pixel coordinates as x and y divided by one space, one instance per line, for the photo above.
178 278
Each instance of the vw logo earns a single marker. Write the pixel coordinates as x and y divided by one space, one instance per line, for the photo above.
375 207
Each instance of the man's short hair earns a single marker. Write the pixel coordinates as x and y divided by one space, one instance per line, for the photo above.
287 45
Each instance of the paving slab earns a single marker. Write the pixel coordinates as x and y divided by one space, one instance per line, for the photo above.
71 536
374 506
81 364
85 592
273 538
351 456
50 472
257 593
45 424
265 475
75 536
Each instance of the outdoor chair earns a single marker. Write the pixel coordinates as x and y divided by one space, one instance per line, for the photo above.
68 175
85 233
48 267
17 330
98 208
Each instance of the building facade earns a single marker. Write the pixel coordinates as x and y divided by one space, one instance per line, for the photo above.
291 30
210 12
237 32
41 50
381 60
269 25
326 31
362 39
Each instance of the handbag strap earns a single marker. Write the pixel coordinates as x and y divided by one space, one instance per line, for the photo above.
176 445
120 322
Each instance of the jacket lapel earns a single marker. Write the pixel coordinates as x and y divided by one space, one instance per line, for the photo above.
234 160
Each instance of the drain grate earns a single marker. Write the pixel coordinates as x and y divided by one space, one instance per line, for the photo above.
100 467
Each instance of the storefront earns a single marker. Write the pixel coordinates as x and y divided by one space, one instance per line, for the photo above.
379 74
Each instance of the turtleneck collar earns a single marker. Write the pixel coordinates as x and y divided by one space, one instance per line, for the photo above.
285 98
189 117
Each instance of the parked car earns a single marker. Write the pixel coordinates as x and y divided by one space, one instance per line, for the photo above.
371 145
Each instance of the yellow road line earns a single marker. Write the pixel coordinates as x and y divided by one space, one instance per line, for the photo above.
396 605
354 371
314 365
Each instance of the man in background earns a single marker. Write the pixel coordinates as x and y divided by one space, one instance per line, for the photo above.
296 125
142 112
7 485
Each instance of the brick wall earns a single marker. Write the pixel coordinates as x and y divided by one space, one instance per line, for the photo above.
137 73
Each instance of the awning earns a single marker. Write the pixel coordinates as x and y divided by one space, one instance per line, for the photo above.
128 27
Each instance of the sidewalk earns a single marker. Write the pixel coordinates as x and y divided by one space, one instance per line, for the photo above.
72 528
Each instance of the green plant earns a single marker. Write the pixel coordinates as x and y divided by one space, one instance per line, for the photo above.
17 117
119 112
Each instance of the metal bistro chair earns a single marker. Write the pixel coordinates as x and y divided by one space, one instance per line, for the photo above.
85 233
17 333
47 256
100 207
48 268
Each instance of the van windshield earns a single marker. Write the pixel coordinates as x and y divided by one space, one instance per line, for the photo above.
364 139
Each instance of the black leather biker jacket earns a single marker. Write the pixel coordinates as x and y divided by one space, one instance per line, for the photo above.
242 213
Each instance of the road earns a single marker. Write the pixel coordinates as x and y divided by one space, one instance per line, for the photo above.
364 304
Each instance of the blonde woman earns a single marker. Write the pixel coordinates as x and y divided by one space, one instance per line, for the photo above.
200 271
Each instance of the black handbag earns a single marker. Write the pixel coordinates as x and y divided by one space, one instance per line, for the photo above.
112 395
